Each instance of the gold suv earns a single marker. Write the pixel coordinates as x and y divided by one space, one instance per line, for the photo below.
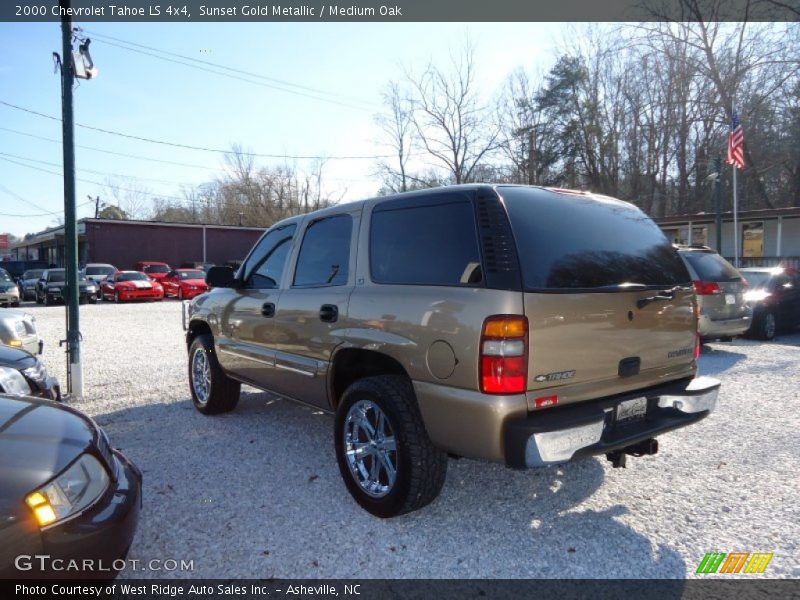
528 326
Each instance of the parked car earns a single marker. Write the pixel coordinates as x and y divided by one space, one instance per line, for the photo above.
9 292
16 268
123 286
97 272
70 501
52 288
184 284
18 330
774 293
522 325
153 269
22 373
720 289
27 283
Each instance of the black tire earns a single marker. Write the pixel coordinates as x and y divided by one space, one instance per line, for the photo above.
47 301
92 299
421 467
116 297
766 326
38 299
180 294
223 393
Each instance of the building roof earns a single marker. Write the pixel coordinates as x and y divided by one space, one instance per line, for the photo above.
744 215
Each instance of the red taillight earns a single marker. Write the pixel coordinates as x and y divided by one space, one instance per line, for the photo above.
504 355
706 288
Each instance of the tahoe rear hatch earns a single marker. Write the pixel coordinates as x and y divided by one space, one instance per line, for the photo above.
609 302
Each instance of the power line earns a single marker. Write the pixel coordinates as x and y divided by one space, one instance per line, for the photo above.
191 147
21 199
132 47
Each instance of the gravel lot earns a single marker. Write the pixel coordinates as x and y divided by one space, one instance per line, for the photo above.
256 493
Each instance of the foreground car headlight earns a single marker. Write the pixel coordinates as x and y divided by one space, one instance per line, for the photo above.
37 372
12 381
69 493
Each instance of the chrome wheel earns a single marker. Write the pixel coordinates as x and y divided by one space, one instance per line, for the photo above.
769 326
201 375
370 448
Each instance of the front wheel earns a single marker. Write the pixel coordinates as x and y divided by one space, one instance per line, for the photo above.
213 392
766 326
387 461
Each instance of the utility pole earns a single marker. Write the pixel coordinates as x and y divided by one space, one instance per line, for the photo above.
96 205
718 202
74 365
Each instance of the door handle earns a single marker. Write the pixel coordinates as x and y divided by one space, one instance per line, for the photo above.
268 309
329 313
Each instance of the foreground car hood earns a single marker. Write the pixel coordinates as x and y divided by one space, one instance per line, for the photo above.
16 359
38 439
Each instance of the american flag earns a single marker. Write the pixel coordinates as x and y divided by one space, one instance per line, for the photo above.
736 143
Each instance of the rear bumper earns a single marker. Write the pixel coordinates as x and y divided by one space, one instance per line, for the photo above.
710 328
561 434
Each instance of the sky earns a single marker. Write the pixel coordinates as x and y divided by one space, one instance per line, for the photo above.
140 95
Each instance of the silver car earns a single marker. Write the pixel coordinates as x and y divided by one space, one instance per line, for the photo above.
9 292
720 289
18 330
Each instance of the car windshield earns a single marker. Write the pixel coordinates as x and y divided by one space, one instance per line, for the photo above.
756 279
133 277
56 276
710 266
157 269
4 276
99 270
191 275
34 274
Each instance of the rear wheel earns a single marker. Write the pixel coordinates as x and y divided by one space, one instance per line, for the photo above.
180 294
387 461
116 296
766 326
213 392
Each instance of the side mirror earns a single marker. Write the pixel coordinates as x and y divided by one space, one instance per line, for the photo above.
220 277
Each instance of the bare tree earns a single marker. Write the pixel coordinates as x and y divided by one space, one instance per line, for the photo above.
454 126
397 126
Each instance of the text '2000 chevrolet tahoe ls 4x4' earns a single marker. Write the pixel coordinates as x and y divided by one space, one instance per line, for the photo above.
523 325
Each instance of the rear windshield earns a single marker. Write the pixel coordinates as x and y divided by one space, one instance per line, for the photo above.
570 242
710 266
99 270
157 269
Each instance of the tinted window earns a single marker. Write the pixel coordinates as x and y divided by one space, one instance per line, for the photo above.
99 270
571 242
756 279
4 275
325 254
36 274
266 262
428 245
156 269
132 277
710 266
56 275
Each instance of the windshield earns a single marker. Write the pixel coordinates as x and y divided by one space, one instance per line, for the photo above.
573 242
99 270
133 277
34 274
4 275
191 275
56 276
710 266
157 269
756 279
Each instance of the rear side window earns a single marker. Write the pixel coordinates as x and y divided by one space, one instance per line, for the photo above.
711 267
571 242
434 244
325 253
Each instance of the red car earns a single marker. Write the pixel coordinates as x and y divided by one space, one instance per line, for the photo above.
153 268
131 285
184 284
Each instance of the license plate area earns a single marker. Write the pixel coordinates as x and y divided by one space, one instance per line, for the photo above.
630 411
730 298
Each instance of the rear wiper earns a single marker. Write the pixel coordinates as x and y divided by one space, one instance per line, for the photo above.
664 295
